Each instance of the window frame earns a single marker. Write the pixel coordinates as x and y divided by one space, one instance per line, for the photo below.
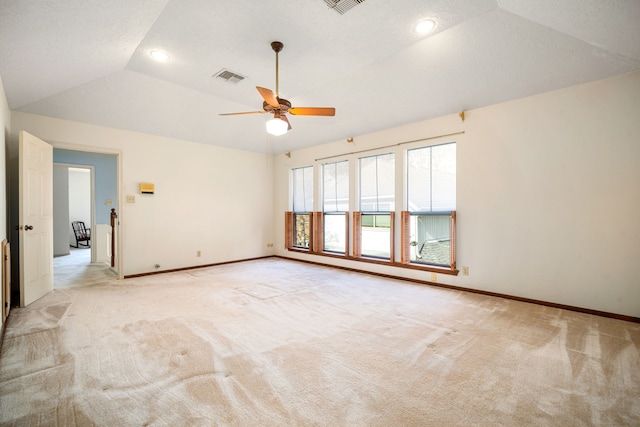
407 242
358 223
357 238
406 215
353 221
292 223
345 214
321 224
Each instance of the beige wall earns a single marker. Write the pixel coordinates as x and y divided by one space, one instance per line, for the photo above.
5 122
5 119
547 194
209 199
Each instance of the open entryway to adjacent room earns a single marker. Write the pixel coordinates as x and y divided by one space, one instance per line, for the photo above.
84 200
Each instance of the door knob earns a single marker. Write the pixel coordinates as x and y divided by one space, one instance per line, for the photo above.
28 227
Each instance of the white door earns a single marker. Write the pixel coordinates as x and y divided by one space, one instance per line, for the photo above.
35 218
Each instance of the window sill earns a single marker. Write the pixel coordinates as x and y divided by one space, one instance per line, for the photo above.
429 268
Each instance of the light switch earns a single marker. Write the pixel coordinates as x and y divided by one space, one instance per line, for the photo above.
108 202
131 199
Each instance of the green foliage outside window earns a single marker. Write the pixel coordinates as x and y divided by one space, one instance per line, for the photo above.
302 230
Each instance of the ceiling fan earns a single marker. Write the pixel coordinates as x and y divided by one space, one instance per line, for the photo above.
279 107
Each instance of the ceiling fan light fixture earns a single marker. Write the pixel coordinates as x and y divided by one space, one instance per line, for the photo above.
277 126
425 26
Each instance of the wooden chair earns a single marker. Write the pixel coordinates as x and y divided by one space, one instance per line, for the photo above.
82 233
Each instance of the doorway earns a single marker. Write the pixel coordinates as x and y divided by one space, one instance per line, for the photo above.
85 189
73 200
107 196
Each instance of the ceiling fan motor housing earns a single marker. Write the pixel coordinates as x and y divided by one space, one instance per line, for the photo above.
285 105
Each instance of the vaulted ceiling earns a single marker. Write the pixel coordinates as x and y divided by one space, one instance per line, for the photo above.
88 61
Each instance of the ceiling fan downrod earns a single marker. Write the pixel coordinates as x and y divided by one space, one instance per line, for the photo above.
277 47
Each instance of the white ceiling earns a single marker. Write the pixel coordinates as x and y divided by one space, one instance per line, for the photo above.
87 61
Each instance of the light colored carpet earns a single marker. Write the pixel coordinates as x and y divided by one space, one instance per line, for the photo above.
280 343
76 269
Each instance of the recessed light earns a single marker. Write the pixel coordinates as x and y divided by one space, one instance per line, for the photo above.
159 55
424 26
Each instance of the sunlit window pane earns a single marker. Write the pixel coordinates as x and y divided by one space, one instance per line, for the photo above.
334 233
376 236
431 239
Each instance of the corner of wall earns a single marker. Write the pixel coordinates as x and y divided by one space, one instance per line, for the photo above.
5 123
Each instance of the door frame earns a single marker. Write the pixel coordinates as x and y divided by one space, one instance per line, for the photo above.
92 197
119 196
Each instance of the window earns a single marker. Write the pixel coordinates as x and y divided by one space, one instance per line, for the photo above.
335 205
365 229
302 181
377 204
429 225
377 183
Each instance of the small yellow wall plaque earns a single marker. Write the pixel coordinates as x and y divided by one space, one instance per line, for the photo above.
147 188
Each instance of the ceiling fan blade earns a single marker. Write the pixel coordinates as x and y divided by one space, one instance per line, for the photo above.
312 111
268 96
244 112
283 117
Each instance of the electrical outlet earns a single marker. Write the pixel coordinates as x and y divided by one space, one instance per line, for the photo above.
108 202
465 270
131 199
434 277
198 253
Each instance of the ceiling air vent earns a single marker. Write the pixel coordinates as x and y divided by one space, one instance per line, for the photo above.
229 76
342 6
